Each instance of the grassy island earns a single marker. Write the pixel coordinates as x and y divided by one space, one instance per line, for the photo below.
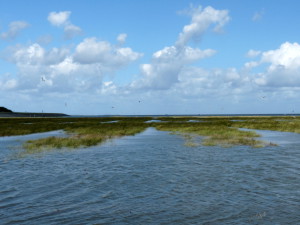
85 132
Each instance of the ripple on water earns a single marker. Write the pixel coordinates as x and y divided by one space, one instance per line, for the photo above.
152 178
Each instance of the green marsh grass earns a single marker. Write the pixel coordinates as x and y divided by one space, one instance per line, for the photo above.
85 132
216 132
284 124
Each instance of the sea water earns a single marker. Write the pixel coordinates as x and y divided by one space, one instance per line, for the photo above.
152 178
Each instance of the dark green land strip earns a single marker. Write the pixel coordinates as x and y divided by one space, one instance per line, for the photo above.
32 115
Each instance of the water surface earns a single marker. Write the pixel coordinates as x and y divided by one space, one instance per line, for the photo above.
152 178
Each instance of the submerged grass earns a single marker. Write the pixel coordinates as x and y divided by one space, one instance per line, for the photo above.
85 132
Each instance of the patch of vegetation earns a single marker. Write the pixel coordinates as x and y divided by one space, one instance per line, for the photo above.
85 132
284 124
215 131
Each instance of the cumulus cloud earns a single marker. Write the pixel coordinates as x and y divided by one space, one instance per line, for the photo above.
64 69
53 71
36 65
282 66
172 68
92 51
287 56
83 68
185 56
167 64
109 88
201 21
61 19
14 29
35 54
199 84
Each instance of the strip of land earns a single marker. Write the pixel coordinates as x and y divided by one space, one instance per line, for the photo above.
85 132
29 114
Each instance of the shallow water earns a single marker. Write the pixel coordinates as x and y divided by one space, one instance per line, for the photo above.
113 121
196 121
152 178
153 121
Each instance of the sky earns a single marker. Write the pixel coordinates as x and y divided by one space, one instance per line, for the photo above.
133 57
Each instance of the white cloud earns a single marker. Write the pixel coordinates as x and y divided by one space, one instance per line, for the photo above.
260 79
185 55
201 21
7 82
232 75
172 73
59 18
60 70
282 66
65 67
251 65
287 56
14 29
109 88
71 31
35 54
91 51
216 83
253 53
167 64
122 38
37 67
69 76
110 57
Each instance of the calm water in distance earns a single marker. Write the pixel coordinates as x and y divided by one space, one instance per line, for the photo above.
152 178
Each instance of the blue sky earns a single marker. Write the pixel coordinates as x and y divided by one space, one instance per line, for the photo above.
150 57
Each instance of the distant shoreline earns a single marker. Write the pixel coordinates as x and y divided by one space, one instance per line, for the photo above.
49 115
30 114
187 115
